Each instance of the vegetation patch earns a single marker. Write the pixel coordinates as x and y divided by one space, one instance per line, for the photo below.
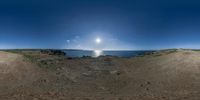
43 60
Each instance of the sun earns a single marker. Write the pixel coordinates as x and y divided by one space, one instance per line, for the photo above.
98 40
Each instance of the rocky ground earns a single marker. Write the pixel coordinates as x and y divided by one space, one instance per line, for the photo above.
159 76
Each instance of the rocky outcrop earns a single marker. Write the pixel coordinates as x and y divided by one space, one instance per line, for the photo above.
53 52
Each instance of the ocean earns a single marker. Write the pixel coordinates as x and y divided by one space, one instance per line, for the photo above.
96 53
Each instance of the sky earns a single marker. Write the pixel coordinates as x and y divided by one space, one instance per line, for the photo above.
120 24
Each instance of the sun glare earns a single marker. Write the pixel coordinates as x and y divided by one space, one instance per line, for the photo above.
97 53
98 40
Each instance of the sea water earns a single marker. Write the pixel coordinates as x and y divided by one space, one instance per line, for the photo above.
95 53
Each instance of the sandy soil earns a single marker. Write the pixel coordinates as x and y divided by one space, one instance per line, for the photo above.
160 76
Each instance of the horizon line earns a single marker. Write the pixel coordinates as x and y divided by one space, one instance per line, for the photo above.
95 49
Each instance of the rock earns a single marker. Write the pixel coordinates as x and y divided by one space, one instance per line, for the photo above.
108 59
115 72
53 52
148 82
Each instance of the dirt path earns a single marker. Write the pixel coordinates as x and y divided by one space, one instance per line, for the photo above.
15 71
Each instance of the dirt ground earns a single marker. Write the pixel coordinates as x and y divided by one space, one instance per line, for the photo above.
159 76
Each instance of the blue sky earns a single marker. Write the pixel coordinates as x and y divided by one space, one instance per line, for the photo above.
121 24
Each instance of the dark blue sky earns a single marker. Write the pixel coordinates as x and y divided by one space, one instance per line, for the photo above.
121 24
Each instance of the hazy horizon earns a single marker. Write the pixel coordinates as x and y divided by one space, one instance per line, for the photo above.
101 50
